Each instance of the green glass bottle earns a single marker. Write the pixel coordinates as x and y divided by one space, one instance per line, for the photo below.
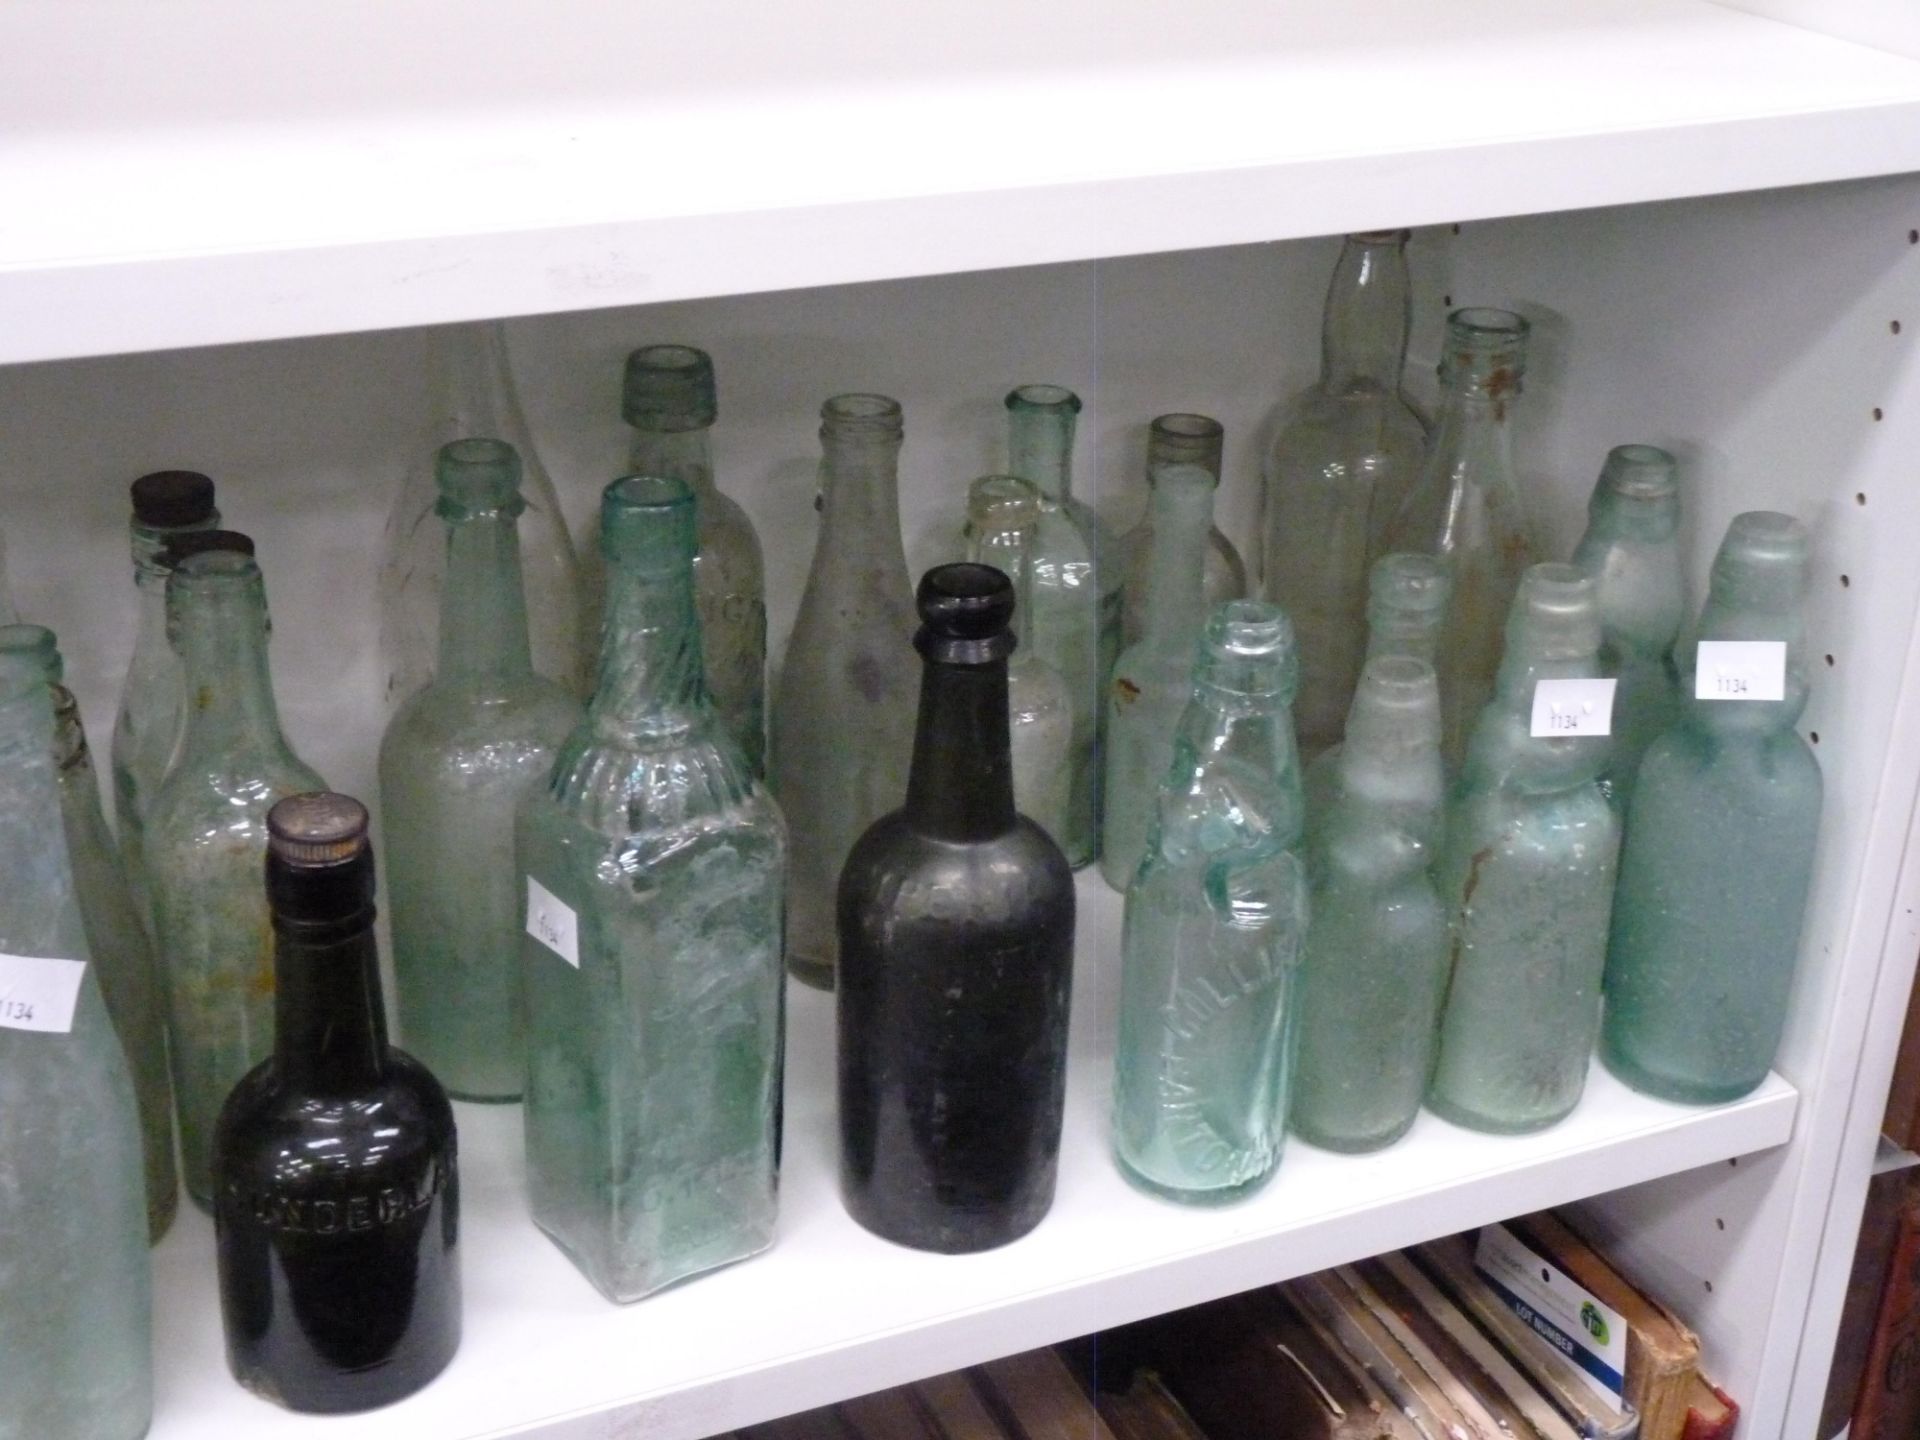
654 865
1178 439
1720 845
457 759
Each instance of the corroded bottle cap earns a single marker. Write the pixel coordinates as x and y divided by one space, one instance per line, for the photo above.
1248 649
318 827
169 498
668 387
199 542
965 609
477 473
1185 439
647 524
33 645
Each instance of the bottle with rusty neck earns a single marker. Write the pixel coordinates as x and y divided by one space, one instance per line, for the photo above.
1178 439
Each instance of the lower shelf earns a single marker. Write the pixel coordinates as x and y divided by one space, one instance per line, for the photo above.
832 1311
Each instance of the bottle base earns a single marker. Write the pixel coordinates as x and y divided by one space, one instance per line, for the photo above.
964 1235
1670 1087
629 1290
347 1392
1206 1198
1348 1144
817 974
1493 1124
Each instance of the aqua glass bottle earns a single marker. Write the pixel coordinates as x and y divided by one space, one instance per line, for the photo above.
1215 923
457 759
1376 959
206 842
654 866
1178 439
1527 873
1720 846
75 1285
1632 550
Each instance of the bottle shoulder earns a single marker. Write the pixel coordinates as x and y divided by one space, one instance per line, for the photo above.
210 802
268 1127
1358 419
894 855
667 796
481 724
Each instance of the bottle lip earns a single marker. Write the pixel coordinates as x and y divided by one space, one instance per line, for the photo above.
1003 502
1409 580
1485 327
317 828
1640 471
477 473
166 499
860 411
200 542
965 609
647 523
1043 397
1764 543
668 387
215 568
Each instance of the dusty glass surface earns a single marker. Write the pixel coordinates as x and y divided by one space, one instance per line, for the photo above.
1178 439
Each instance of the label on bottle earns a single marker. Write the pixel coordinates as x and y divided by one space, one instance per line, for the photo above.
37 993
1572 707
1741 670
1563 1313
551 921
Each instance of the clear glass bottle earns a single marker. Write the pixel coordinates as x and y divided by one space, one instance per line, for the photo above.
1342 462
1527 872
1632 550
1178 439
456 761
1376 960
1466 507
843 708
1153 680
75 1284
654 864
1215 922
1720 848
206 841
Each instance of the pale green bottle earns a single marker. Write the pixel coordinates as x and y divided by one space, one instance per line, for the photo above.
654 867
1178 439
1527 873
1214 926
1720 845
458 757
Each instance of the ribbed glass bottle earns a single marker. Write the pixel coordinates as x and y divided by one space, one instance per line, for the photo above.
1178 439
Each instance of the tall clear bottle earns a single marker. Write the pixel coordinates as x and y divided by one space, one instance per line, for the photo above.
1342 462
1720 846
1215 922
1178 439
843 708
654 865
206 841
457 759
1527 872
75 1285
1466 507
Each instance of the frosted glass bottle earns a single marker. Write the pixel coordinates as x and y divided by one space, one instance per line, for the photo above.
1720 847
654 864
75 1286
1178 439
1342 462
1376 959
1527 872
1215 923
1466 508
206 844
844 706
456 761
1632 550
1003 512
1153 680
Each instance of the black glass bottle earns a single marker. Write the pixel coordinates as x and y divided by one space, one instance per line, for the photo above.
956 952
337 1202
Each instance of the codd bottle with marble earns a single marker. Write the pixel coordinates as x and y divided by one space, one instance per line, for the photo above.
654 865
1178 439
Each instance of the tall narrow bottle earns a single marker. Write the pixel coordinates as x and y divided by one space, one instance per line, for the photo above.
206 840
457 759
1342 462
654 865
1527 873
337 1223
1215 922
1178 439
1466 507
843 709
1720 845
956 961
75 1286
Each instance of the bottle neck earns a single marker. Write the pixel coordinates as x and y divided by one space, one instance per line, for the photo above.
472 386
1412 633
650 683
330 1029
1472 443
1363 335
1176 567
675 455
961 785
860 493
1251 737
1040 448
483 610
222 640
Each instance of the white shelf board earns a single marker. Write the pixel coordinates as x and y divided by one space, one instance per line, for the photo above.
1888 1157
832 1311
220 170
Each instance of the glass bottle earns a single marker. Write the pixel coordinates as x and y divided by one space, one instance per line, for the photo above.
471 393
1632 550
75 1284
1341 463
206 839
654 865
1467 509
1376 959
1003 512
337 1222
956 961
457 759
1215 922
1153 680
1178 439
843 708
1719 853
1407 606
1527 872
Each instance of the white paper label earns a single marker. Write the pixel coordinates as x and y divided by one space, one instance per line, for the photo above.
38 993
1741 670
1572 707
551 921
1564 1314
